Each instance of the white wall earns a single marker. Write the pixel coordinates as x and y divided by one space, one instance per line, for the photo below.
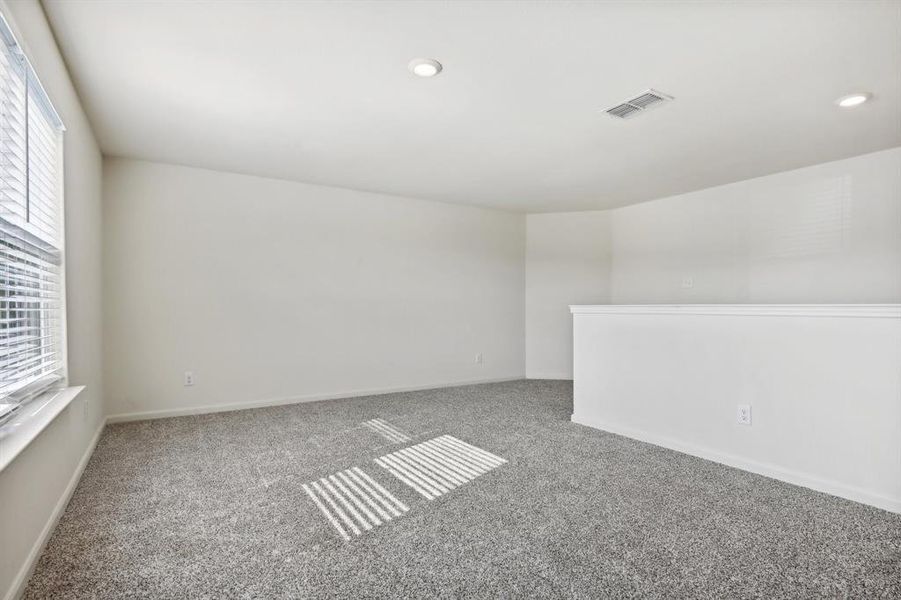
823 383
827 233
273 290
830 233
35 483
567 262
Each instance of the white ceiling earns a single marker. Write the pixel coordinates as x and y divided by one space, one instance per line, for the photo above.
320 92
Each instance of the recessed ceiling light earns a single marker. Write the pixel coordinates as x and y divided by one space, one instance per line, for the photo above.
852 100
425 67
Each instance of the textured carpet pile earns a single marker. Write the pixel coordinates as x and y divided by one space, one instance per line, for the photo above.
213 506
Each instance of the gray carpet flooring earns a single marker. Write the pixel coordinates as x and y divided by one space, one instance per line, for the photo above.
214 506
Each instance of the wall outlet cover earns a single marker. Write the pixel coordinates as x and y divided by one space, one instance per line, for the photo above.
744 414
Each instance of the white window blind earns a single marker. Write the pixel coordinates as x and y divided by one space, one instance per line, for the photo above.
31 277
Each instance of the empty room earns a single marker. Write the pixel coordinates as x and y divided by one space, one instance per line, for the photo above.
450 299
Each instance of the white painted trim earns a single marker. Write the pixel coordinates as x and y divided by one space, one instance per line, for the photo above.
21 579
768 470
33 417
554 376
883 311
202 410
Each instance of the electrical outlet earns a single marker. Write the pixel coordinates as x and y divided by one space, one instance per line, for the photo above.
479 358
744 414
189 378
688 283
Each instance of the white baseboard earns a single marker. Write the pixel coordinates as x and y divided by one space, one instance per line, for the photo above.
787 475
554 376
202 410
21 580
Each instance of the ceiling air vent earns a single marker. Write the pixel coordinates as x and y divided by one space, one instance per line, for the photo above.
638 104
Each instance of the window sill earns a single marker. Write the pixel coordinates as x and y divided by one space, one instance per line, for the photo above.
34 417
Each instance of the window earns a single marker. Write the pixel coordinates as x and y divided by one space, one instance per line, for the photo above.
32 337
